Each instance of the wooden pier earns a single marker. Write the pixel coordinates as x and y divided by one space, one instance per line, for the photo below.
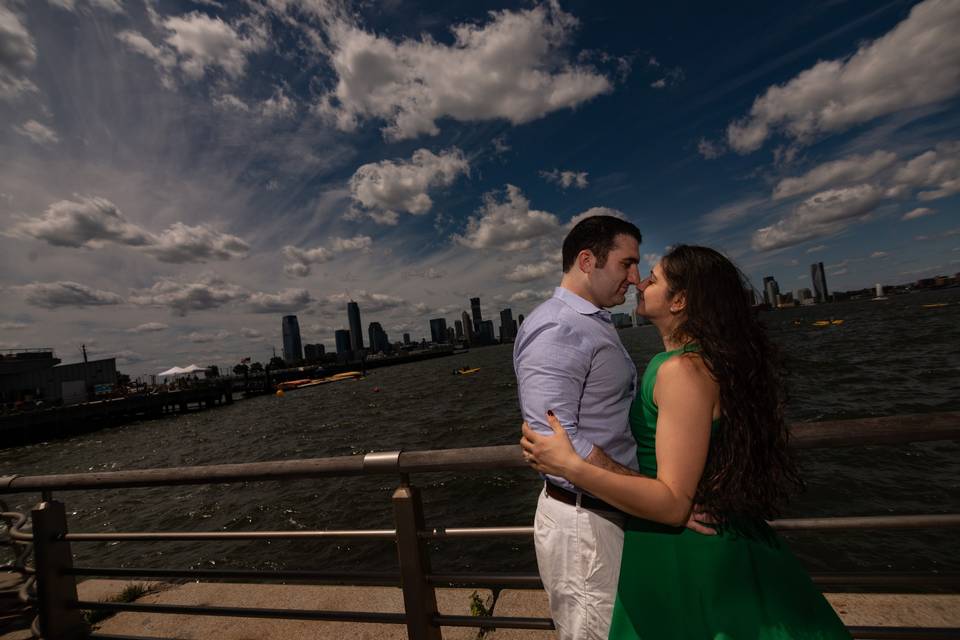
55 422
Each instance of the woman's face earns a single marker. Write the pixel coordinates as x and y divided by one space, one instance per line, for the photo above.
653 296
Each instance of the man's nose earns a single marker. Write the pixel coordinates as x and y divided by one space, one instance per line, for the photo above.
634 275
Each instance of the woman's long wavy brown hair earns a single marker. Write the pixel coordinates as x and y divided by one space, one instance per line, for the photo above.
750 471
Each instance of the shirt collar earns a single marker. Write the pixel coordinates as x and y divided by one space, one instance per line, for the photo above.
580 305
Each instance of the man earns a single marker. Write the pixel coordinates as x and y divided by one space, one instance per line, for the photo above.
569 359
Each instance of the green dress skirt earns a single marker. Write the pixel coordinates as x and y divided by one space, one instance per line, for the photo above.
740 584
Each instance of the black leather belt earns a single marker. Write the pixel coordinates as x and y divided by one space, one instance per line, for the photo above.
569 497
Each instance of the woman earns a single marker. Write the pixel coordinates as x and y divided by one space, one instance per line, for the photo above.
710 432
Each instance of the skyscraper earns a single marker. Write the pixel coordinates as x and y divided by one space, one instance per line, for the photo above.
406 338
467 327
477 316
770 291
438 330
292 347
356 329
819 279
342 338
379 343
458 329
485 335
508 326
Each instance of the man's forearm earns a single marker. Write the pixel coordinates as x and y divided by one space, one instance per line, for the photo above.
599 458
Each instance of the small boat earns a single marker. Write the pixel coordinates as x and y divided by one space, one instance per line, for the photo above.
935 305
827 323
313 382
465 371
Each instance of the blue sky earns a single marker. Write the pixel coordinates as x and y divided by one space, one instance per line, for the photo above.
175 176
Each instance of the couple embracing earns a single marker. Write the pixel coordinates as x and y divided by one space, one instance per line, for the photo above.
651 524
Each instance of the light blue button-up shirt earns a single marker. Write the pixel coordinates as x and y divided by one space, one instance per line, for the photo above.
569 358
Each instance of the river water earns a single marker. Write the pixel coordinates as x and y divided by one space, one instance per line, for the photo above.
889 357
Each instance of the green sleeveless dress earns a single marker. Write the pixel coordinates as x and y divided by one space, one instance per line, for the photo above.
742 584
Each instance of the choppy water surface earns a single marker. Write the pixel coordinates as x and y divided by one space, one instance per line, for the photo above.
891 357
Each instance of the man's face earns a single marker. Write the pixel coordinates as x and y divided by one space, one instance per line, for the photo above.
609 283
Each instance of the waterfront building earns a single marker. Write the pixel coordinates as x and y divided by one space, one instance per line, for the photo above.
292 346
508 326
458 330
312 352
37 374
406 338
356 328
770 291
451 335
520 319
819 278
621 320
438 330
342 338
477 316
379 342
467 327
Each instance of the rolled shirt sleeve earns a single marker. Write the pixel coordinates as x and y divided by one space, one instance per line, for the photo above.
551 375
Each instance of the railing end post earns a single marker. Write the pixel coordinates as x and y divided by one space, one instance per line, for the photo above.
56 591
419 596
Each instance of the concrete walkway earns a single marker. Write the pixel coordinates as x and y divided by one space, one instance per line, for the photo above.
854 609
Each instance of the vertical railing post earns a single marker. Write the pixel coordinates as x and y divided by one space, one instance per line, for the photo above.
419 597
56 591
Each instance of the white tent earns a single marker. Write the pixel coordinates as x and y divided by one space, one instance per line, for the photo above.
180 371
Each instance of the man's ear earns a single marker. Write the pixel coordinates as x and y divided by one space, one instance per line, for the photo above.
586 261
679 302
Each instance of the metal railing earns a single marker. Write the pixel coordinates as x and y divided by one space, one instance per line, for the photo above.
51 582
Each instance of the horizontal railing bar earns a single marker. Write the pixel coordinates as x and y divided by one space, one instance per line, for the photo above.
110 636
319 577
475 532
836 433
944 520
905 633
862 579
502 622
485 579
916 427
888 579
160 536
244 612
923 521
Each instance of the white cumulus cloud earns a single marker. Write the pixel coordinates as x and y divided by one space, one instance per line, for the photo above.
915 64
566 179
382 189
508 224
92 221
149 327
510 68
18 53
531 272
855 168
917 213
52 295
284 301
209 292
301 259
822 214
39 133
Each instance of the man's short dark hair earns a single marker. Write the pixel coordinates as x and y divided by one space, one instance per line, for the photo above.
599 235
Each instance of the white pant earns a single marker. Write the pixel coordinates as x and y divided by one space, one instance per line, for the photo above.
578 551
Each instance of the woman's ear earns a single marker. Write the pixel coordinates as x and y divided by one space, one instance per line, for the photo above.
679 302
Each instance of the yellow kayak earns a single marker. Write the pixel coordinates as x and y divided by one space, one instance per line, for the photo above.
826 323
466 372
935 305
308 382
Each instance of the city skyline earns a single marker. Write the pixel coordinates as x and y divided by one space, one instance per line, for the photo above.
176 175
